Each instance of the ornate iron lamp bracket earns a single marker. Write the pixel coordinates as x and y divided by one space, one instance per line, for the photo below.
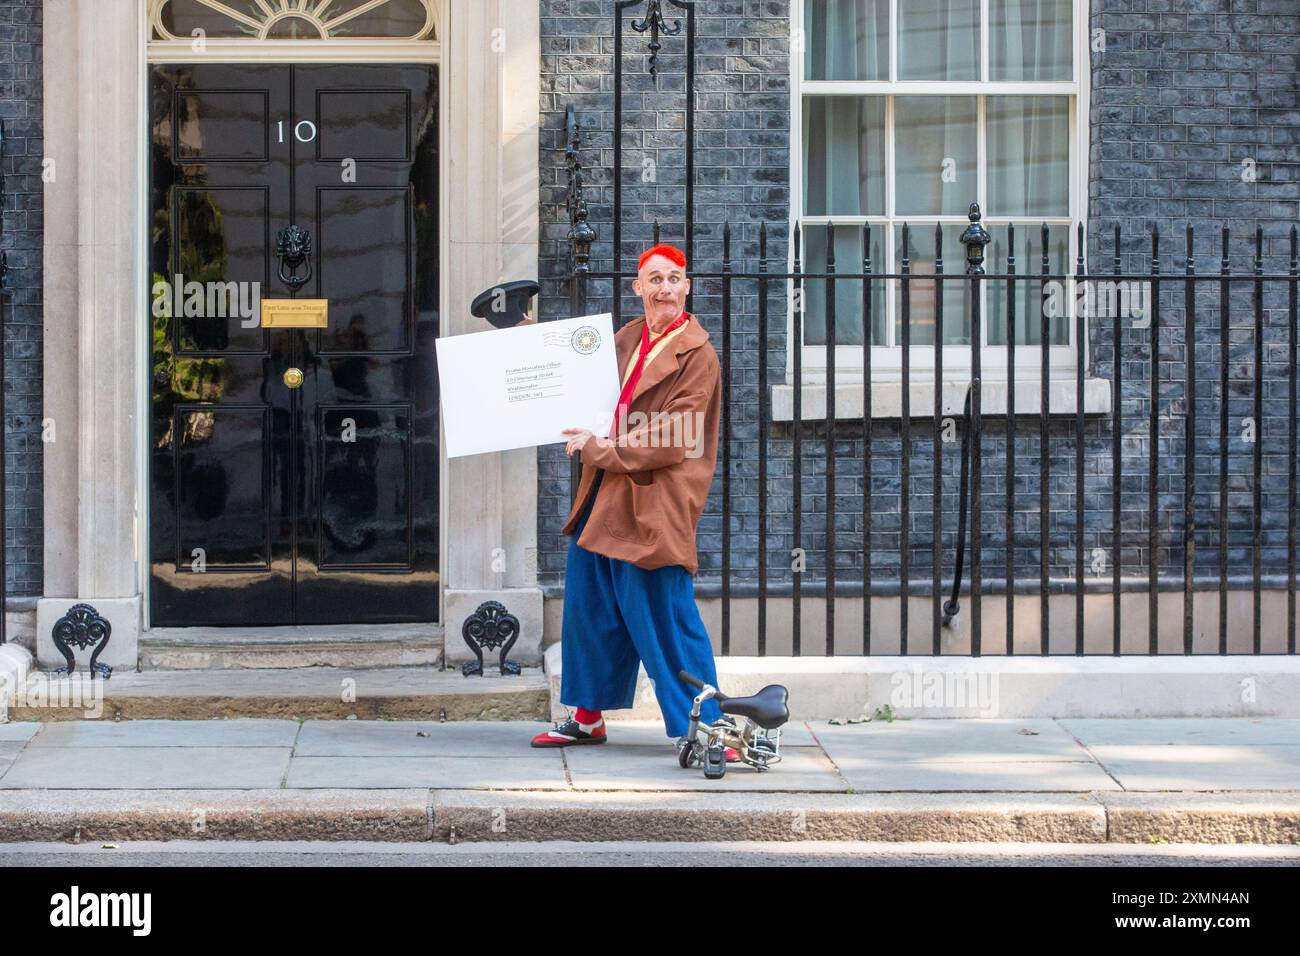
489 627
655 23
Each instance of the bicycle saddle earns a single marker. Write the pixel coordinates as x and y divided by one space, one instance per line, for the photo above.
767 708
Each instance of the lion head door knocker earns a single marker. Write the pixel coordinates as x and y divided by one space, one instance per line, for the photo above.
293 246
81 627
489 627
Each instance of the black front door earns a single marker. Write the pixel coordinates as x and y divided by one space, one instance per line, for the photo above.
294 471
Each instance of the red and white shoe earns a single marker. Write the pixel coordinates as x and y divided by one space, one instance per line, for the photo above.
571 733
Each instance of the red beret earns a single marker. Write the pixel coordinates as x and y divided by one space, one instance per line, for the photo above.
671 253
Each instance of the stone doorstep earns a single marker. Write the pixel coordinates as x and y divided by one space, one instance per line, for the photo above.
397 693
529 816
825 688
213 648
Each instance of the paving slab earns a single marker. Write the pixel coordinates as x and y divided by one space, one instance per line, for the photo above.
385 738
650 733
639 767
1195 767
950 741
19 730
1045 776
1173 730
354 738
9 750
148 768
167 733
451 773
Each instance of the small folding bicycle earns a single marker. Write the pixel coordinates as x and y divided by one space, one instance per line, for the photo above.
750 726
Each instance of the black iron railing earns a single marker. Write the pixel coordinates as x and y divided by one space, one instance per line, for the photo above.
1011 523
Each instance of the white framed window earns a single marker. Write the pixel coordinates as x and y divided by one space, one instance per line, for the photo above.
908 111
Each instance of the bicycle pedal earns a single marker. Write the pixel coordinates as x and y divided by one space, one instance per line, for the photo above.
715 762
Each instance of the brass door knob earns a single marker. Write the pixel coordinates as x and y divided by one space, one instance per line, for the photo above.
293 377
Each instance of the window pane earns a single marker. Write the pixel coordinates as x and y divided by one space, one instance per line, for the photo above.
934 155
1028 155
1029 293
938 40
182 17
1030 40
397 18
844 155
956 292
848 291
846 39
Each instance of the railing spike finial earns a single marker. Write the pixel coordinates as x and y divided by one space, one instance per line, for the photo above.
975 237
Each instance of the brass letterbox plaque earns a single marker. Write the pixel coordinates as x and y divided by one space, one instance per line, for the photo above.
295 313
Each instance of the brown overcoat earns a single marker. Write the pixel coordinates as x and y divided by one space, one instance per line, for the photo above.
657 474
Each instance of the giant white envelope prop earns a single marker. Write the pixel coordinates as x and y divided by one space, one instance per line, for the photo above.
512 388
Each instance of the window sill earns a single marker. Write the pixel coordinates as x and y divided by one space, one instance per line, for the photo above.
887 399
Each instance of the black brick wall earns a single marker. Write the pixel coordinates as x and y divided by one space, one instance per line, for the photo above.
1182 94
742 158
1186 97
20 108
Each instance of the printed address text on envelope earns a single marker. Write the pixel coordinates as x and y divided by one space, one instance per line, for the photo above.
521 387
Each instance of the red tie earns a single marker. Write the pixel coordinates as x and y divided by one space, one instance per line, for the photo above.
625 398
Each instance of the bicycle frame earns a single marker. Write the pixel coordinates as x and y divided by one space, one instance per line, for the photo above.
742 737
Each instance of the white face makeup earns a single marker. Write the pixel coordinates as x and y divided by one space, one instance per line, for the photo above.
662 286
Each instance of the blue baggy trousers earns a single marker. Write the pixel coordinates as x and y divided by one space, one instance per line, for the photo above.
617 615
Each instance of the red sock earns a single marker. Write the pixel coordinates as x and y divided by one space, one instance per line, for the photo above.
585 716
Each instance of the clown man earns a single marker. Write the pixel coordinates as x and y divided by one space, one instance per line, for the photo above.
628 593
